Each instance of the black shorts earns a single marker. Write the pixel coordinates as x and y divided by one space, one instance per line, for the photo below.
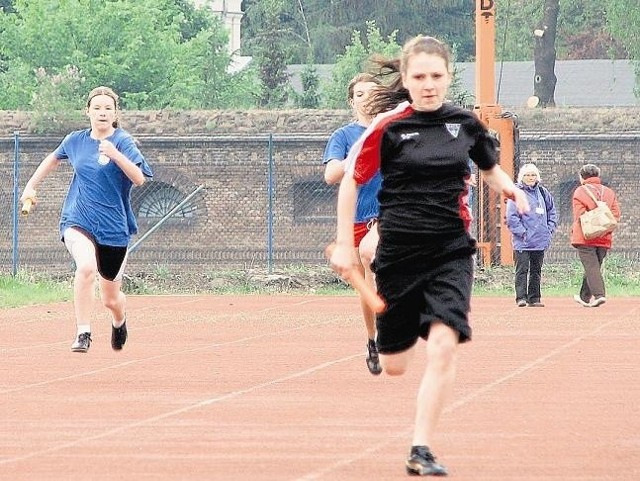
427 284
110 260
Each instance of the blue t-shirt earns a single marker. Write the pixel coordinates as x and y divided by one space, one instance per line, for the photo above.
99 196
341 140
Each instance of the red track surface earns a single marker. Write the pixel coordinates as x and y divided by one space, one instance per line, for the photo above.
276 388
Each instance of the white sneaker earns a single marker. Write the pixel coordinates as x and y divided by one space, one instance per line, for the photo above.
598 301
579 300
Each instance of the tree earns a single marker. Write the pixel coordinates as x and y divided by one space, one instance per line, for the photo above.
323 27
293 29
6 5
154 53
544 55
332 23
581 30
310 96
623 21
355 60
271 51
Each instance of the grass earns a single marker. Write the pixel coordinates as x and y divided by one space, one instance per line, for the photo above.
622 278
25 289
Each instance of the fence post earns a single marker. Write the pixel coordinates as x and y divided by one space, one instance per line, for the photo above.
16 195
270 191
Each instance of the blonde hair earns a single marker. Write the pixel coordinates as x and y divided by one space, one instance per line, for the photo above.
528 169
109 93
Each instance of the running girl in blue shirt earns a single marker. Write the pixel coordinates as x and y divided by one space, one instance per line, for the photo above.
97 220
365 231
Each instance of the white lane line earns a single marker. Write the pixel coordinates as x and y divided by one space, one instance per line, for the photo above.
330 469
176 412
161 356
214 317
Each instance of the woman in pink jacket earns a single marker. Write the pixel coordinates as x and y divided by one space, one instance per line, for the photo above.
591 251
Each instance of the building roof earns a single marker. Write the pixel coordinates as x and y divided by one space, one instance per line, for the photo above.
581 83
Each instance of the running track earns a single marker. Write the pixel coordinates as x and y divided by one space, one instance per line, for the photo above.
276 388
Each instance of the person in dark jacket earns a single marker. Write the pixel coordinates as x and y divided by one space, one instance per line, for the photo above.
591 251
531 233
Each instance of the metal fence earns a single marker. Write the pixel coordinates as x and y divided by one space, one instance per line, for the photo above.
260 201
213 203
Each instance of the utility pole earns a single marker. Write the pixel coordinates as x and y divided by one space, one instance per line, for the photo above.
494 238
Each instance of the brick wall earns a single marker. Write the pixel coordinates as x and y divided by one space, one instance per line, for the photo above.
251 211
559 158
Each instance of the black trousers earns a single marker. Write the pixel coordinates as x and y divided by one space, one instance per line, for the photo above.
528 275
592 281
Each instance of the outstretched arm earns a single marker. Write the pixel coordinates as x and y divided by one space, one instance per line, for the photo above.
48 165
343 257
498 180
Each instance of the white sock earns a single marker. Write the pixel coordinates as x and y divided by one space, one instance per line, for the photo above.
118 324
84 328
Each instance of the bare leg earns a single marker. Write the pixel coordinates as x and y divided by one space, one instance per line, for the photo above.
396 364
367 251
369 316
84 255
435 386
115 301
113 298
437 381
